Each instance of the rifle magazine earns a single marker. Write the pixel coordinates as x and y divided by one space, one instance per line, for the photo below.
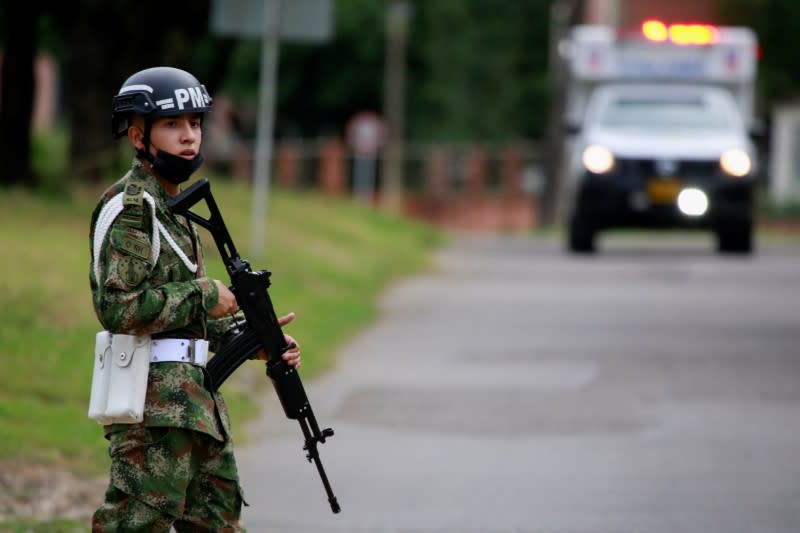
225 362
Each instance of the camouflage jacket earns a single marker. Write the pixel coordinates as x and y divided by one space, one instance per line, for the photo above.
139 294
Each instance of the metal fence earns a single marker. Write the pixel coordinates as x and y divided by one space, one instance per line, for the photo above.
456 184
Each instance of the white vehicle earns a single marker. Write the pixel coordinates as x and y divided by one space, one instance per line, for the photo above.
662 132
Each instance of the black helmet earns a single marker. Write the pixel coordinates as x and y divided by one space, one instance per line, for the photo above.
157 92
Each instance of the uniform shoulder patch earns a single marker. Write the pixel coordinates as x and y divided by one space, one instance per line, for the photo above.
132 203
134 195
132 270
132 242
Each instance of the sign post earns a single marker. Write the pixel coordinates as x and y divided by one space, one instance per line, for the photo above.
270 42
394 102
271 20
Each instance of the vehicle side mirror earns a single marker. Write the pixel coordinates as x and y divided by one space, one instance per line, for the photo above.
572 127
759 132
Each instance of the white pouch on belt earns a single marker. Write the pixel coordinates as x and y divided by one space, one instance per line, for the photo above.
119 378
99 395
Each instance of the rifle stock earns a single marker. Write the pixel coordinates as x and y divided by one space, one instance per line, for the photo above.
261 329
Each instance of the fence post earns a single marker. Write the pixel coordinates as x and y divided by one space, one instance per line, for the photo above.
511 172
287 164
332 167
438 173
475 172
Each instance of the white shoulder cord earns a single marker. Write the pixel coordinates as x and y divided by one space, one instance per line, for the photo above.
106 218
172 244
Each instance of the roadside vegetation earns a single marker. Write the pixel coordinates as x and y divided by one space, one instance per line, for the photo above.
330 259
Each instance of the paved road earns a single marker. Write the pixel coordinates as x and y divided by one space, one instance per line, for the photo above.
654 388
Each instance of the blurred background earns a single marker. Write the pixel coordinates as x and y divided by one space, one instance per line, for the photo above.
372 124
456 106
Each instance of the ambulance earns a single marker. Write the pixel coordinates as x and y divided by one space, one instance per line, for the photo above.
661 123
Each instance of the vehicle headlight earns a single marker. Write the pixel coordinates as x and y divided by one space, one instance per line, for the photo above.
736 163
693 202
597 159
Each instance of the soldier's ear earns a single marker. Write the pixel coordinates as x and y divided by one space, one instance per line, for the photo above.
136 136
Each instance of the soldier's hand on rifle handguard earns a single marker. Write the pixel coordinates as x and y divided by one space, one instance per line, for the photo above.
292 355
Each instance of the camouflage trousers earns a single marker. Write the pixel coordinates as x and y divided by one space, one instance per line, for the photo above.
170 477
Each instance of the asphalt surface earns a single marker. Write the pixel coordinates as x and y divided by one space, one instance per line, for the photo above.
516 388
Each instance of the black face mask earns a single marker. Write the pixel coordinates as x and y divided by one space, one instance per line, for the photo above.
173 168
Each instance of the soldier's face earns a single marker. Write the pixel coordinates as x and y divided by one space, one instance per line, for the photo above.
180 135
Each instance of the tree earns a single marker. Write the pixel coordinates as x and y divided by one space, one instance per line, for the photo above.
16 105
776 23
479 69
321 85
476 69
103 43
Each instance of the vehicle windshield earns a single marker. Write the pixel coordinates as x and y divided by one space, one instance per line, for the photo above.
669 114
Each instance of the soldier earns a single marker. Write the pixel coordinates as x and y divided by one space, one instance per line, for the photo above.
176 467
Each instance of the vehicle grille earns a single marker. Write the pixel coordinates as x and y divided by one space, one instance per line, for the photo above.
647 168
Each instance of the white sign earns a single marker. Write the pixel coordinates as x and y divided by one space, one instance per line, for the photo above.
301 20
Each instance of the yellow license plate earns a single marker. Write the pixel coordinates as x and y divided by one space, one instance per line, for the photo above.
663 191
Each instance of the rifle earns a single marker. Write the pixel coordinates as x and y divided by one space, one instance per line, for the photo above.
260 329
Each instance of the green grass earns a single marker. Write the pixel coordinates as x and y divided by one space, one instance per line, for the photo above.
329 258
46 526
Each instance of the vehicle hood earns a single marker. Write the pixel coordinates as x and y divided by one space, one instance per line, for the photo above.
678 145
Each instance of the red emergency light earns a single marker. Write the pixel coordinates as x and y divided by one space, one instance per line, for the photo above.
681 34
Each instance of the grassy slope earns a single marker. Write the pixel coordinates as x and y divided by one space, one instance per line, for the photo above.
329 259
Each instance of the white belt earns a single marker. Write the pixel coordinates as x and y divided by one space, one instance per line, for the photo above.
193 351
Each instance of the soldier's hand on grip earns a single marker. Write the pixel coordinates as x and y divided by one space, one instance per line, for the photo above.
227 302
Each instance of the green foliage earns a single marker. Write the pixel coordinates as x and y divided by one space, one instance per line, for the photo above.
244 61
329 258
776 23
481 69
49 158
770 209
320 85
476 70
50 39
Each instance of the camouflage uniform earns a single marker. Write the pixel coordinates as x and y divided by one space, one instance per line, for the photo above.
177 466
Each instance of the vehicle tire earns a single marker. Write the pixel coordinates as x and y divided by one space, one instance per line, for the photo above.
581 235
735 238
